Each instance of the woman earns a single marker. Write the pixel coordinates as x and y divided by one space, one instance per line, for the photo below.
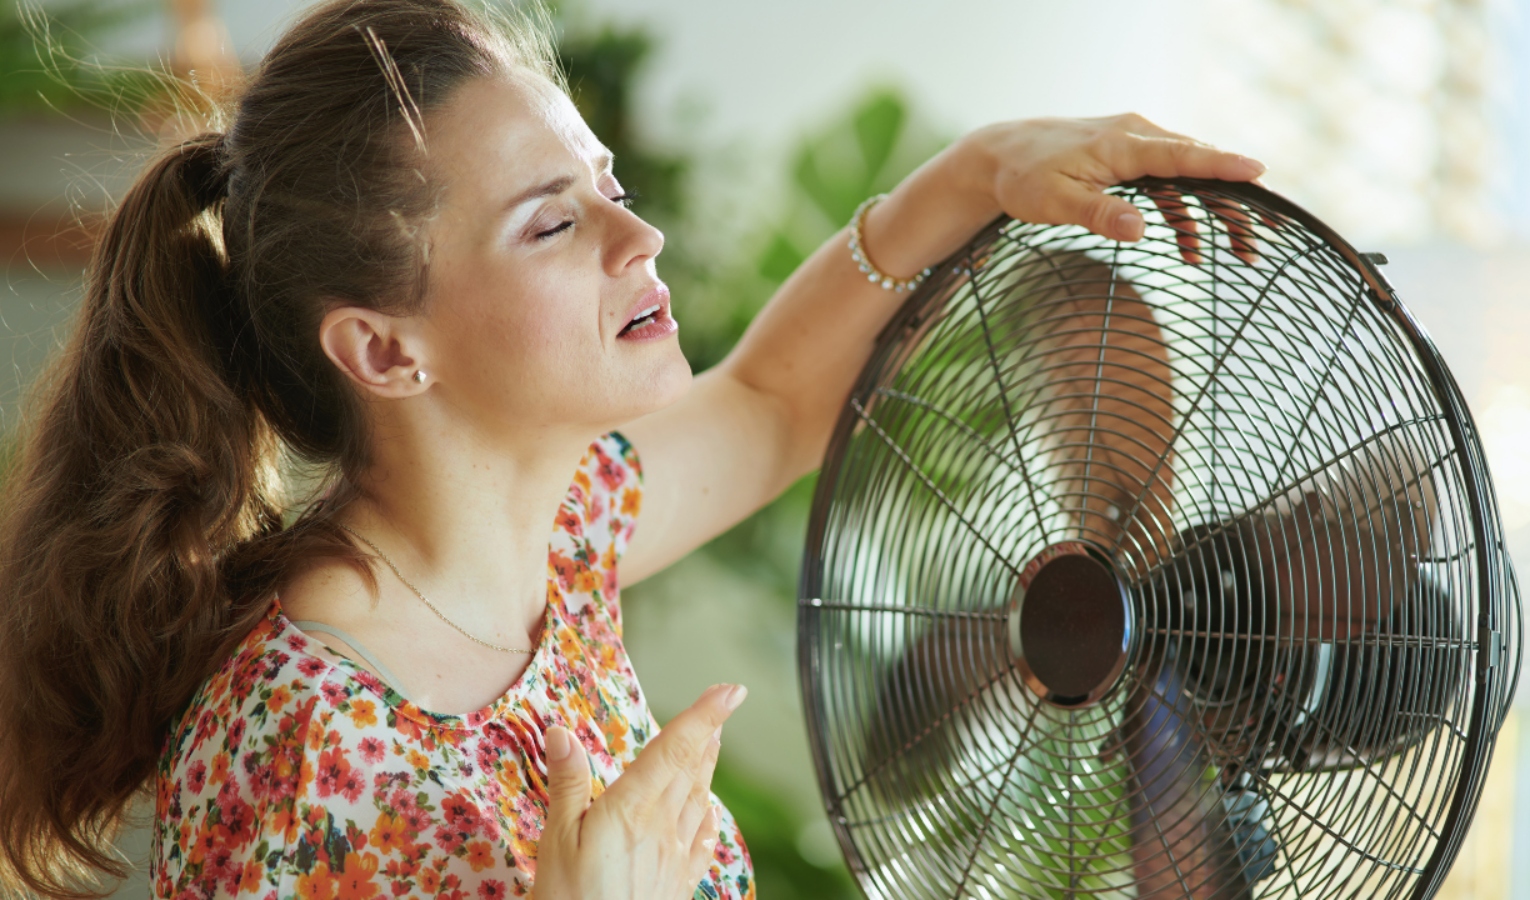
409 265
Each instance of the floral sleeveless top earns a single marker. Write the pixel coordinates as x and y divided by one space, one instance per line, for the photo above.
291 776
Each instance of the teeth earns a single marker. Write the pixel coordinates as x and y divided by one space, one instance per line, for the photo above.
641 319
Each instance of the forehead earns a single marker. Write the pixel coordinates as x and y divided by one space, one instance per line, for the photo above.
507 132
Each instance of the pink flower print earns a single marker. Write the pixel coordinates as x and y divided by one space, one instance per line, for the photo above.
492 889
724 853
372 750
416 820
487 755
235 733
196 777
449 840
608 471
332 692
351 785
311 666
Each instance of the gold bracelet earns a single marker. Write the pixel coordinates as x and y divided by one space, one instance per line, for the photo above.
863 262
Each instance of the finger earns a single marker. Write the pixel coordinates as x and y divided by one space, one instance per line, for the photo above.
680 746
1133 156
1240 228
1071 202
568 786
700 798
704 844
1186 234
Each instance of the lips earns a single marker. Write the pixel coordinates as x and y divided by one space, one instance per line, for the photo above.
649 317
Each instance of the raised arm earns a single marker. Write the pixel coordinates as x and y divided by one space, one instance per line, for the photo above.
762 418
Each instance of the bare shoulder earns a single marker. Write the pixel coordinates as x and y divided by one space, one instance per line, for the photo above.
329 591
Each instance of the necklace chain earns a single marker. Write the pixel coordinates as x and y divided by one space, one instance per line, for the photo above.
418 593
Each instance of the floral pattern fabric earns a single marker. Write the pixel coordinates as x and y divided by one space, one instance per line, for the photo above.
292 776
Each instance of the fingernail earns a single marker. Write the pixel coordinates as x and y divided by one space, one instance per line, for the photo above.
558 744
735 696
1255 165
1129 225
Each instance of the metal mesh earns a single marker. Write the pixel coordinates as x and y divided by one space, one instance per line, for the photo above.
1271 458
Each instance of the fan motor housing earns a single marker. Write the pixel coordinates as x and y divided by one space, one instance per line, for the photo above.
1070 624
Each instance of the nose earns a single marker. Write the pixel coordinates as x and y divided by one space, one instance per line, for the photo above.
634 241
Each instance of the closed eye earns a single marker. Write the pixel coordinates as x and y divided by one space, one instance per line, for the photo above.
625 199
562 226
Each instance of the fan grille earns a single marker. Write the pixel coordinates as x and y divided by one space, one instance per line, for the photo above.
1276 464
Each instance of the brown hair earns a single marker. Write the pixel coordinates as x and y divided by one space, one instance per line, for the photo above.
141 525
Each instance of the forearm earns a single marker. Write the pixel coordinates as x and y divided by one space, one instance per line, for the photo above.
805 349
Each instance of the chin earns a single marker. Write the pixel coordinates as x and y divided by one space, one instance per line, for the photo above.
661 387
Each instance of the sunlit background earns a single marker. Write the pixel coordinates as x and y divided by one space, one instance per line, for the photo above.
1403 123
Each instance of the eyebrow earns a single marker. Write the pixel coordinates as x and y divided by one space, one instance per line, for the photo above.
555 186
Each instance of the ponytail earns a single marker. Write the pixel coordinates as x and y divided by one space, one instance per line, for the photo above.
140 470
141 532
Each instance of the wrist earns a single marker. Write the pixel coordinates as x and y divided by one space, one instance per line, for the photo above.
935 210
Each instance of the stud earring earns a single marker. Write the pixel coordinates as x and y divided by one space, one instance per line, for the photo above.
419 376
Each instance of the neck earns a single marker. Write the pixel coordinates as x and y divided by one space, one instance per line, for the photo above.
467 523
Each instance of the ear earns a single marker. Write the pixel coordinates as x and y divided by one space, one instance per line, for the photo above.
378 352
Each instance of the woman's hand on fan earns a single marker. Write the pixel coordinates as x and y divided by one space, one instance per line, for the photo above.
651 834
1055 171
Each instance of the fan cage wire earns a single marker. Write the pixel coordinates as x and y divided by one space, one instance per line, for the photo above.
894 557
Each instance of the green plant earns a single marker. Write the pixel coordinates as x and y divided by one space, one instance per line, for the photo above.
46 58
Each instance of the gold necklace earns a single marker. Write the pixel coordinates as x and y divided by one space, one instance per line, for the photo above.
440 615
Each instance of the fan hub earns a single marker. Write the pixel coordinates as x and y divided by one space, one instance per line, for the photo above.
1070 625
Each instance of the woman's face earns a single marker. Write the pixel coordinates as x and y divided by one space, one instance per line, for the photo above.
537 269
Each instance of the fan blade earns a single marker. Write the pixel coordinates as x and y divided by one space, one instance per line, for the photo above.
1105 374
1340 549
930 688
1182 842
1108 385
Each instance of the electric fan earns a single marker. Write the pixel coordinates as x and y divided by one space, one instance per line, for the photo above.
1169 569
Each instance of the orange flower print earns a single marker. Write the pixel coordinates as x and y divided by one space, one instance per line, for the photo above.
363 713
388 835
615 730
564 567
480 855
318 884
279 698
287 770
357 882
254 871
430 880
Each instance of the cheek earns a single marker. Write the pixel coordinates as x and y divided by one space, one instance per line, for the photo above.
520 346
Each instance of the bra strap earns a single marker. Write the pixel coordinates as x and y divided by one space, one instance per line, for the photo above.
307 625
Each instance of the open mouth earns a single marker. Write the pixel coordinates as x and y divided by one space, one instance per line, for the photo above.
645 318
652 320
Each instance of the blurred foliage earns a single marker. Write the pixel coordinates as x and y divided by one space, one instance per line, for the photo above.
46 64
771 830
831 170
